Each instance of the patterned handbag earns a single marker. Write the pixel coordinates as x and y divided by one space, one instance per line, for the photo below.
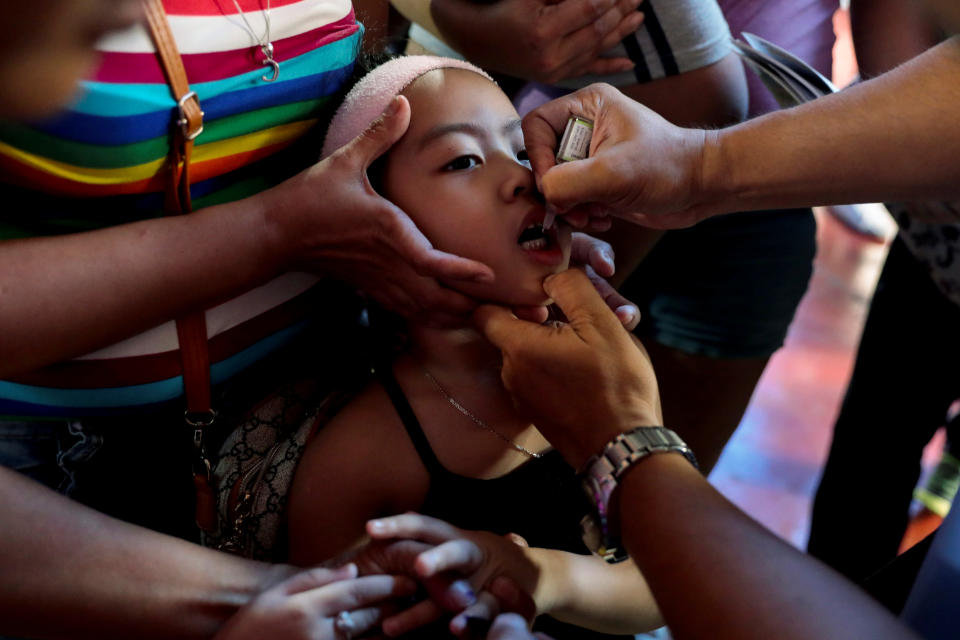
255 468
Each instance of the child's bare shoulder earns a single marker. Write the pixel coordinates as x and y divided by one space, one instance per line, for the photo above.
368 430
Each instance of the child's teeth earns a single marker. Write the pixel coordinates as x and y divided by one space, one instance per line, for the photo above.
534 245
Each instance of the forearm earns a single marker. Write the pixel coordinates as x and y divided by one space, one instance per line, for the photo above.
417 11
67 295
887 33
586 591
67 571
457 23
712 567
893 138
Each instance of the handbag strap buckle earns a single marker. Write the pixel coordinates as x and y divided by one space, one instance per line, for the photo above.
190 130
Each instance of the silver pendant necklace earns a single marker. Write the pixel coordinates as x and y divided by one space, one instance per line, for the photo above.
459 407
266 46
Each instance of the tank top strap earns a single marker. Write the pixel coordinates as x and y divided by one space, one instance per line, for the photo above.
384 372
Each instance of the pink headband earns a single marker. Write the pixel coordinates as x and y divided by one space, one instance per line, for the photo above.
370 97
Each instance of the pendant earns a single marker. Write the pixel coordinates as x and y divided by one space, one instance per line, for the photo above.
267 50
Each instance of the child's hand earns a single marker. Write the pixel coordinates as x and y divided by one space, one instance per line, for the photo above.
493 565
318 603
596 258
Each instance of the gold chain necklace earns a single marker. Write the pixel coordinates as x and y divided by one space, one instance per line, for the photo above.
266 46
459 407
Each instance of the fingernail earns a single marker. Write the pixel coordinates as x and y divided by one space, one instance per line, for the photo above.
462 593
458 624
627 313
393 107
376 526
483 277
607 257
425 565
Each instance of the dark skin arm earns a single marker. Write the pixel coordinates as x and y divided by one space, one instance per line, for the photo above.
645 170
64 296
68 571
887 33
713 570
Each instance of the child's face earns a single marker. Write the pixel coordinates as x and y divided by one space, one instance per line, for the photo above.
461 173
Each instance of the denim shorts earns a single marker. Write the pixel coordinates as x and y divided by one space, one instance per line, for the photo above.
727 287
49 452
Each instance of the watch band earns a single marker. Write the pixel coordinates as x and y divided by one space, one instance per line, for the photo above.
601 475
627 448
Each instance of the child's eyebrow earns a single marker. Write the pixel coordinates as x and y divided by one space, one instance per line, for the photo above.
470 128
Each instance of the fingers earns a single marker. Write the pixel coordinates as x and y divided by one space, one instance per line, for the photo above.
576 296
570 16
413 526
630 21
470 622
360 592
572 183
517 539
363 621
419 615
459 555
594 252
509 626
542 128
316 578
627 312
584 46
382 134
538 314
498 325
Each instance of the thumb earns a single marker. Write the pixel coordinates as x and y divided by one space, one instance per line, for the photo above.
580 302
316 578
498 325
571 183
382 133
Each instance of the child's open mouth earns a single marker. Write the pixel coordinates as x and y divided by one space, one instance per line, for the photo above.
534 238
541 244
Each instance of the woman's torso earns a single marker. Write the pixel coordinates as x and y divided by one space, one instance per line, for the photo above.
102 163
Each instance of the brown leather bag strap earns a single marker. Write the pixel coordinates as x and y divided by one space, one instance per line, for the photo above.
191 330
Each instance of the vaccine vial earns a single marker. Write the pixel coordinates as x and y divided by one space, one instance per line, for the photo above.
575 143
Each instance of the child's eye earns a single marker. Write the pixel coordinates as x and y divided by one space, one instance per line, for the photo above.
462 163
522 156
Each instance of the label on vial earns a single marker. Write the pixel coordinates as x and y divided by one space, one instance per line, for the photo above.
575 143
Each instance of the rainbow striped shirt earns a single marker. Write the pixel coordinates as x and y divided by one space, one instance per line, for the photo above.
100 163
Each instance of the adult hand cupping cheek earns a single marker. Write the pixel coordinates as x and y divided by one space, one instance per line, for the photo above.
340 227
539 40
640 167
318 604
583 382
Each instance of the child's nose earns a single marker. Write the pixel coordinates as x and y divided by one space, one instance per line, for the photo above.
519 182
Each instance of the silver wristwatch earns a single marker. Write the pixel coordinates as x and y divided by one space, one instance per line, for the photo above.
601 474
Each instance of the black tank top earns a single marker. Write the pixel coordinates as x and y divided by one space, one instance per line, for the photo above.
540 500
